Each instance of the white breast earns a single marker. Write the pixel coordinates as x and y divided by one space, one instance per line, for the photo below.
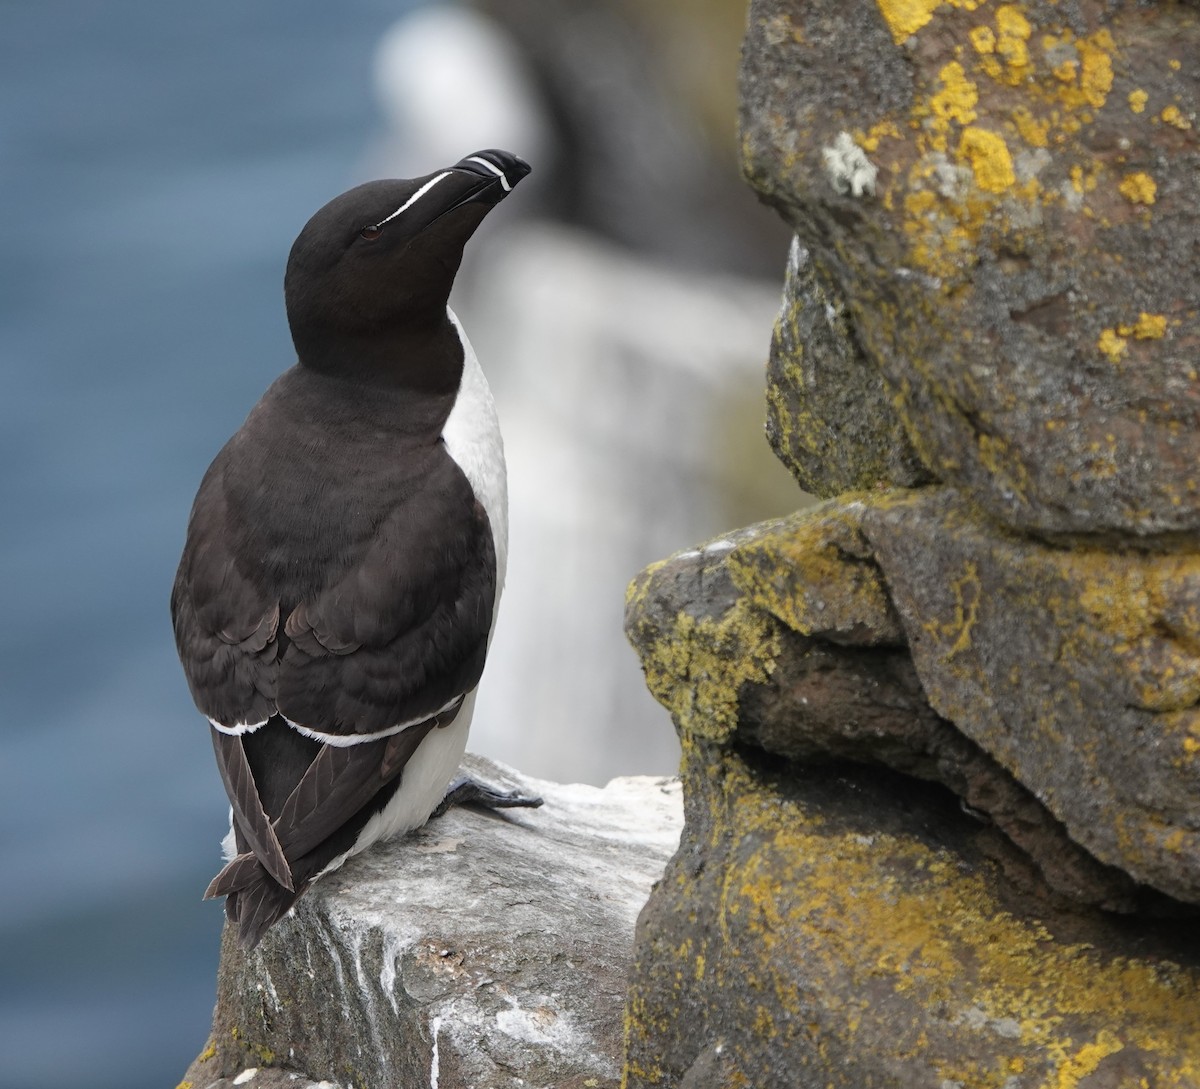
472 436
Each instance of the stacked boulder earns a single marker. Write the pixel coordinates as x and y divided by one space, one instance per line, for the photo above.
941 732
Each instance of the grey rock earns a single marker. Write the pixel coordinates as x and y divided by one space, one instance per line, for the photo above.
804 598
830 418
1024 274
1078 670
253 1077
845 927
482 950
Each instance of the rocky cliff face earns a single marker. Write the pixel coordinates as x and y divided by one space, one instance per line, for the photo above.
942 733
482 950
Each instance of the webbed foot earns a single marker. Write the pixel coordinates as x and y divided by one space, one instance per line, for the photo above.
466 790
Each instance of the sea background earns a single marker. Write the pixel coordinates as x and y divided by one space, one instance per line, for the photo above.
156 161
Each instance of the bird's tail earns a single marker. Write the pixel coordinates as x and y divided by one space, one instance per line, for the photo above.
254 900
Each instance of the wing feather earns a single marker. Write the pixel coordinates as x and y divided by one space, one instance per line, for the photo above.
248 811
338 783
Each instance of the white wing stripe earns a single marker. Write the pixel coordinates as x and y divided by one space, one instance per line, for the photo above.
344 741
238 728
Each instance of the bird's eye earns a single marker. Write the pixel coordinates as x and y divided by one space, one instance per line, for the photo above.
372 232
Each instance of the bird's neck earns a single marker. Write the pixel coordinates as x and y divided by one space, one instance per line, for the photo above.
423 357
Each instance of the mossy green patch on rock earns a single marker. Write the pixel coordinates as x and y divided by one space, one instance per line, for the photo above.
831 938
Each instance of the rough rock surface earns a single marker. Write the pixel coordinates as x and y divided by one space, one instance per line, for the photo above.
942 744
783 636
1078 670
847 928
866 927
482 950
948 165
830 418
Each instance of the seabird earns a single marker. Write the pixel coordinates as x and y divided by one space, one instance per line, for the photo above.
346 549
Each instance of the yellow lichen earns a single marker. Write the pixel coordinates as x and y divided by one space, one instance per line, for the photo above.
696 667
1034 131
919 202
988 156
1013 32
1147 327
958 97
905 17
1003 463
966 592
798 898
869 140
802 570
1173 115
1137 100
945 215
1096 71
1124 603
983 38
1082 182
1084 80
1065 71
1138 188
1112 344
1087 1059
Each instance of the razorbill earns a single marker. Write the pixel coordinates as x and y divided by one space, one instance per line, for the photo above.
346 549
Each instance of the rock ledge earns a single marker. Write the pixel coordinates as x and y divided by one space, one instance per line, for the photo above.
480 950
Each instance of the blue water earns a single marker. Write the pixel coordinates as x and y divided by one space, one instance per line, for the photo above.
156 160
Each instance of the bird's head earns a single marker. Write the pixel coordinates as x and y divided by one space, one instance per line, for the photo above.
382 257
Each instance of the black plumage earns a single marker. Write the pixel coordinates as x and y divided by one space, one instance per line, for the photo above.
336 592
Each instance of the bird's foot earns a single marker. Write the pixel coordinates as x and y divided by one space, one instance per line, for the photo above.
466 790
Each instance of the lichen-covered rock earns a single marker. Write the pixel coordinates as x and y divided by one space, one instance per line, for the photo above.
846 928
1077 669
783 636
999 203
1004 196
479 951
830 418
